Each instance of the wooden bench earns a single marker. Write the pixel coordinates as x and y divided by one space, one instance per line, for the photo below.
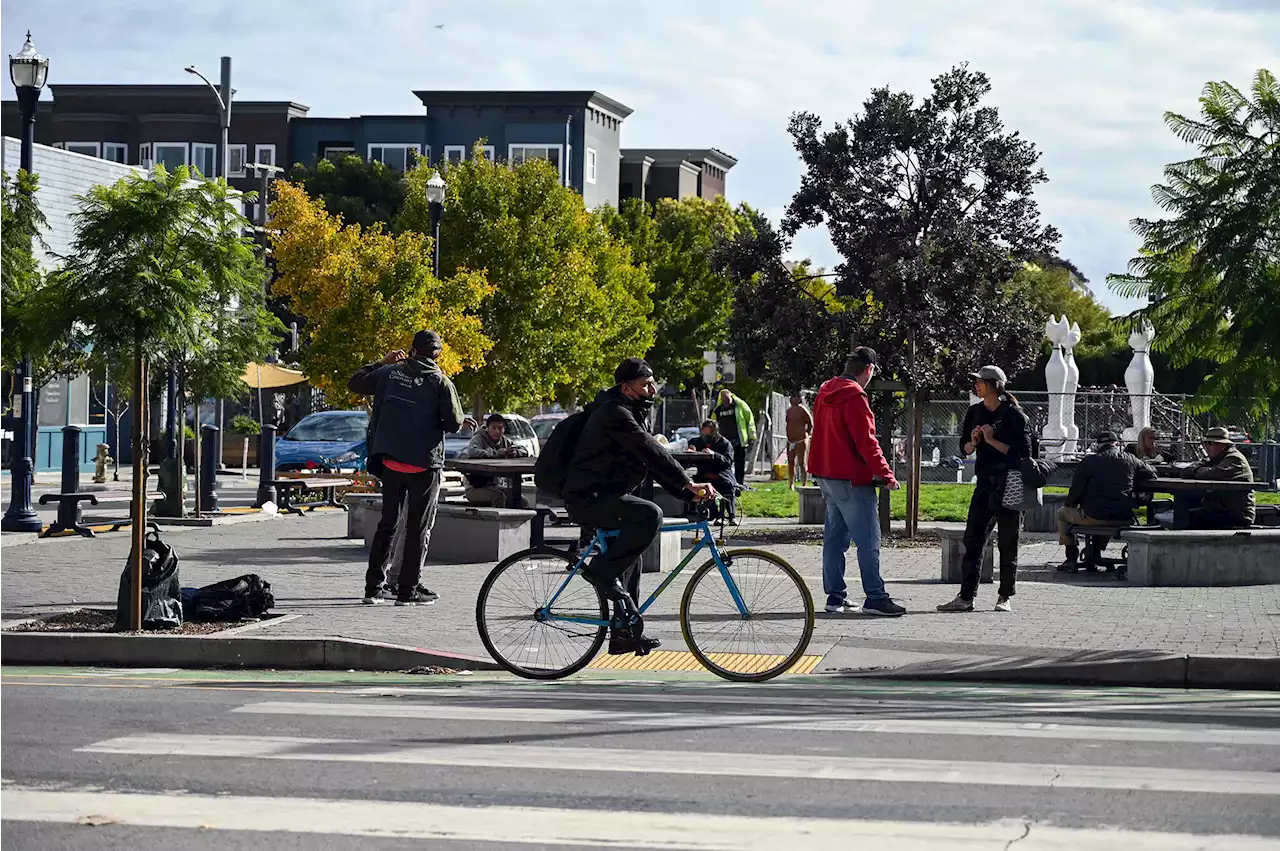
286 489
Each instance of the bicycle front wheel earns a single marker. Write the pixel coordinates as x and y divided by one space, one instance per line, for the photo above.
765 641
512 617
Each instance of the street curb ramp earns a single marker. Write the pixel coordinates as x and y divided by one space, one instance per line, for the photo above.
1150 668
212 651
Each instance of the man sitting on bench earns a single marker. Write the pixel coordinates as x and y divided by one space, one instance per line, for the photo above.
1103 493
1218 510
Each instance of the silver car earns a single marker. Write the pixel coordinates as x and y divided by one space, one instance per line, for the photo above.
518 429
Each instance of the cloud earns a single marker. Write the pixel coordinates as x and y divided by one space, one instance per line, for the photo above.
1086 80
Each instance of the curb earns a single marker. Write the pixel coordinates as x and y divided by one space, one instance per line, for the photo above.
212 651
1115 668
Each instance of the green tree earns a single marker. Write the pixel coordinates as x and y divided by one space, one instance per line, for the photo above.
673 241
1210 270
567 303
362 192
930 206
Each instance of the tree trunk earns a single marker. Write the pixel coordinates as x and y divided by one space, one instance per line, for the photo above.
477 405
139 512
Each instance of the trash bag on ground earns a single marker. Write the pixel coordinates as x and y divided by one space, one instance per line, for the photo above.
161 593
236 599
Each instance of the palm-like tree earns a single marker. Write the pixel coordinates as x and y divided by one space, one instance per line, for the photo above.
1211 269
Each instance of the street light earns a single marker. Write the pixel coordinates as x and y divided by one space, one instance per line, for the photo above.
223 93
435 203
29 71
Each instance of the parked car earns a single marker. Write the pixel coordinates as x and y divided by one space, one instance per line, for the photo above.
544 424
518 429
1238 435
327 440
679 439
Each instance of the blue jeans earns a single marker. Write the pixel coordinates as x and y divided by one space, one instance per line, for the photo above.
851 516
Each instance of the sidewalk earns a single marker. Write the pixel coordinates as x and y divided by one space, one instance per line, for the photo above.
316 574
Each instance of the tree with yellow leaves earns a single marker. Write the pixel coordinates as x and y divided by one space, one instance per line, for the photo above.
364 292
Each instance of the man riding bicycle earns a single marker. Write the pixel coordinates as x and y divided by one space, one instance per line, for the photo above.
611 458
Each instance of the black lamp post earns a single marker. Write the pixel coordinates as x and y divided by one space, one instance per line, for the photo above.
435 204
28 70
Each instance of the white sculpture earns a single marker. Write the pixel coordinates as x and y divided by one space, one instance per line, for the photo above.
1140 378
1055 375
1069 390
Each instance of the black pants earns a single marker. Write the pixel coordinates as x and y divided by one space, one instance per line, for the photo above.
422 490
740 463
637 521
1199 517
986 512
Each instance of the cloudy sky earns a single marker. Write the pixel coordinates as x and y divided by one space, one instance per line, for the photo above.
1086 80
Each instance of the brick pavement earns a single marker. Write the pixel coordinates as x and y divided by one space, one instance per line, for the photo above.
317 574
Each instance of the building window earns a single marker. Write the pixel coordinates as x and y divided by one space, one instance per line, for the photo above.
338 151
236 156
144 155
117 152
172 154
487 152
591 165
204 158
454 153
89 149
395 157
264 154
517 154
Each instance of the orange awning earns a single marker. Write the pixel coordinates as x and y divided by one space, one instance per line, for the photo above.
267 376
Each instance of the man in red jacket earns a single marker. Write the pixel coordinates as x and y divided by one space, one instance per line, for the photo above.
844 460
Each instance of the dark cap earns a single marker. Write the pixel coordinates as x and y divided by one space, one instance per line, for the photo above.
427 342
495 418
990 373
1105 437
865 354
631 369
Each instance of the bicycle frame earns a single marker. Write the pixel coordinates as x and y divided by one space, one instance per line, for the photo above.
706 540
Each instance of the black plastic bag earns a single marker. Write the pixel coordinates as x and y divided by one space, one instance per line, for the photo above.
231 599
161 593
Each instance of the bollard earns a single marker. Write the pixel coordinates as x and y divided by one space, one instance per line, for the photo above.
266 465
69 510
208 468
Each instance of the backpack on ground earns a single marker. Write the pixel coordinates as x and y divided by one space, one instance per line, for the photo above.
161 593
552 467
230 600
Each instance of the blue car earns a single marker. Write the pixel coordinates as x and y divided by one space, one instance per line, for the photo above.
328 440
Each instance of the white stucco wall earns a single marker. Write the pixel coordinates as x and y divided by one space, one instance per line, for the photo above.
63 176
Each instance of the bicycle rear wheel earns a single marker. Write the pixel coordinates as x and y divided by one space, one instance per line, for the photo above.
769 639
522 640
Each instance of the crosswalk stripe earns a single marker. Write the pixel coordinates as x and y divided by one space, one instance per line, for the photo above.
634 761
603 828
909 726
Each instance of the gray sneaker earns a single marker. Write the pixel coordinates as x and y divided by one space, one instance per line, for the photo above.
959 604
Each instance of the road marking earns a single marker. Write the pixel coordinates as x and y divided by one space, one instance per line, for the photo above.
597 828
862 724
628 761
683 660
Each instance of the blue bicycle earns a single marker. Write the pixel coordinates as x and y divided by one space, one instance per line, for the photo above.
746 614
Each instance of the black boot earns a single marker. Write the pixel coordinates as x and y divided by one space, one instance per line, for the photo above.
626 628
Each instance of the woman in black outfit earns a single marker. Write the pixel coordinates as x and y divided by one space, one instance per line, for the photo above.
998 430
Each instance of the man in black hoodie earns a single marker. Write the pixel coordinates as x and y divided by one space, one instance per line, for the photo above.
610 460
414 406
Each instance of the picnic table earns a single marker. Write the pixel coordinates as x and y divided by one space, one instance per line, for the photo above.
512 469
1181 508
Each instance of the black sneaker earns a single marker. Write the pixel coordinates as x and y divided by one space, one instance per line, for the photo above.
427 594
622 642
885 608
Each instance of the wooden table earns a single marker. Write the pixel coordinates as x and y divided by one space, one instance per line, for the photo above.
514 469
1181 509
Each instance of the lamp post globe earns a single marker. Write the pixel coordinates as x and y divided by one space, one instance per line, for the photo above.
435 204
29 71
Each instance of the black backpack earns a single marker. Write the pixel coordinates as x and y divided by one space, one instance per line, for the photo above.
245 596
552 467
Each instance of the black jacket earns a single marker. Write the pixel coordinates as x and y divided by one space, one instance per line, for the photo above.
614 452
721 457
414 406
1010 426
1105 484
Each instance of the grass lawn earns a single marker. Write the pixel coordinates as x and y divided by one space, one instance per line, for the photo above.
937 502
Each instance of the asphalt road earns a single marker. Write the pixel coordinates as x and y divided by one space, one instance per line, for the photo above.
209 760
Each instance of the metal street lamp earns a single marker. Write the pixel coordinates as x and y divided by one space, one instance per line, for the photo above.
435 204
29 71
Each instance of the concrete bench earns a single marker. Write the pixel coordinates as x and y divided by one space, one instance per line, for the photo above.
953 554
813 510
1194 557
1044 518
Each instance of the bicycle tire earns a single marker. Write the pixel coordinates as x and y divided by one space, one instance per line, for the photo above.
739 676
488 642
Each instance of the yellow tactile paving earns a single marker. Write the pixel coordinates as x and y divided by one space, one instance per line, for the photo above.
682 660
